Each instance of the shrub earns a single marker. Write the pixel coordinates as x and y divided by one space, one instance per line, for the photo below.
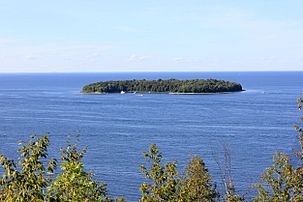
34 178
283 181
197 185
29 180
165 183
165 180
74 183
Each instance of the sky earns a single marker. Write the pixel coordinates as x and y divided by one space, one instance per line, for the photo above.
150 35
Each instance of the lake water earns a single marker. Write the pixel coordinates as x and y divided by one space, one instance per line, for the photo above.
118 128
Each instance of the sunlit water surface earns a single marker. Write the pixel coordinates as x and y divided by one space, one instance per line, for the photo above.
118 128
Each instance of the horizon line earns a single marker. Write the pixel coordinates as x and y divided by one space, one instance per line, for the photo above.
88 72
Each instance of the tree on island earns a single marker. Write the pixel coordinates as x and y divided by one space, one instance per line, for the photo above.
163 86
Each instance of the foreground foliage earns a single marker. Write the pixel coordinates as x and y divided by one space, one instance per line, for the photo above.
284 180
163 86
34 180
74 183
197 184
165 180
166 184
29 180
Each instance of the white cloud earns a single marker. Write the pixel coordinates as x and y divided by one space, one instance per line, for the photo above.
137 58
179 59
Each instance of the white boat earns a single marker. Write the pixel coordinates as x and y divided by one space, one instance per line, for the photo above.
122 92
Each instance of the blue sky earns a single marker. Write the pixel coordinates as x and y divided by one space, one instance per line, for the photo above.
150 35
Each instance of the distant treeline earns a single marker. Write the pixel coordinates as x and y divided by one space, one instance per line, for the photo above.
163 86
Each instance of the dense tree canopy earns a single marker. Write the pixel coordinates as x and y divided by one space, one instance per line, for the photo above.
163 86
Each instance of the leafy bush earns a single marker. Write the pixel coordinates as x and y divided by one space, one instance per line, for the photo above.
284 180
197 185
74 183
28 181
165 183
165 180
34 180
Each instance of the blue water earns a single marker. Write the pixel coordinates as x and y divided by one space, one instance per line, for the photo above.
118 128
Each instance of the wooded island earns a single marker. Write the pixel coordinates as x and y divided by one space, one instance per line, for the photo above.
194 86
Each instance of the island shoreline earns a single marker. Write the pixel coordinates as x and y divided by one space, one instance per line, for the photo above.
167 93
